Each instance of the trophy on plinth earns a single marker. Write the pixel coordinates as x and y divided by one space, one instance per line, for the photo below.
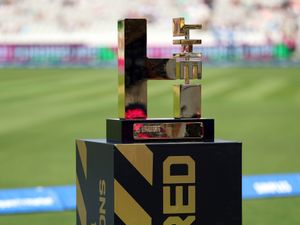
151 171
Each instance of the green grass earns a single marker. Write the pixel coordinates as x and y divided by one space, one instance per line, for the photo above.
43 111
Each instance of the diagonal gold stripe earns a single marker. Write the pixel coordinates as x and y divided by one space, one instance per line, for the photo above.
127 209
80 204
83 155
140 156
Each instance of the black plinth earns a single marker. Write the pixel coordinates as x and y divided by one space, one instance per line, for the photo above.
158 183
124 131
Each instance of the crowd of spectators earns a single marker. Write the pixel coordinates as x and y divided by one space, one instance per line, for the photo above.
226 21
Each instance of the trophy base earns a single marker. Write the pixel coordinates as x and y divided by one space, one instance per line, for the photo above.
159 130
159 183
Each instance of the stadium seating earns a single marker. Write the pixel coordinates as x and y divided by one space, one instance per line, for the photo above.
94 22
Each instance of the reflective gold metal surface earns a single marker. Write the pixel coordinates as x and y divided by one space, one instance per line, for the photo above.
187 101
187 98
135 68
190 55
182 130
178 24
190 69
182 29
186 42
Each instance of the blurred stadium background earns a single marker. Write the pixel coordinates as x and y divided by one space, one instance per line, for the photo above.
77 32
58 82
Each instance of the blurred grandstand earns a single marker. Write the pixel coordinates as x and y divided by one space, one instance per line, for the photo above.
77 32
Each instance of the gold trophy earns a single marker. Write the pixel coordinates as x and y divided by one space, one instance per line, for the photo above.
135 69
158 171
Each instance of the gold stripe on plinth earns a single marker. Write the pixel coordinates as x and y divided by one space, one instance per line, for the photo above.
81 209
141 157
83 155
127 209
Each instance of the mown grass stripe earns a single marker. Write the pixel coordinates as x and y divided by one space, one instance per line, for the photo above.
56 96
258 90
41 89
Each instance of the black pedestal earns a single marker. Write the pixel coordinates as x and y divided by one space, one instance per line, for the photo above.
158 183
159 130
